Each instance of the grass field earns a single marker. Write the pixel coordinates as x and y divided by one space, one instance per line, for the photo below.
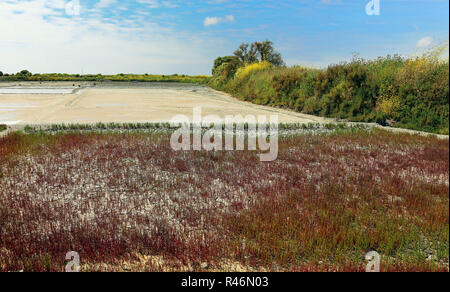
127 202
27 76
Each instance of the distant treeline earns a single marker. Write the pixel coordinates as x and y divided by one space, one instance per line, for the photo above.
409 93
25 75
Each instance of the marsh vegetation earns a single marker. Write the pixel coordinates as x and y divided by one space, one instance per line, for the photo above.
127 201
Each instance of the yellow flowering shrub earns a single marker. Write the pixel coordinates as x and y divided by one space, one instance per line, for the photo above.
252 68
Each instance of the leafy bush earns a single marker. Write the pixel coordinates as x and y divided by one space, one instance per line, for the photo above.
413 92
251 69
220 61
224 70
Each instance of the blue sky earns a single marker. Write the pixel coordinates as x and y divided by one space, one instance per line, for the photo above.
171 36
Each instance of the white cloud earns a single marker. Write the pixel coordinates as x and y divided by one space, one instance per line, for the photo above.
105 3
425 42
230 18
210 21
158 4
150 3
41 38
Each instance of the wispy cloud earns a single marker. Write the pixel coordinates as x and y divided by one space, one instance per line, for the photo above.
42 38
425 42
105 3
184 36
210 21
159 4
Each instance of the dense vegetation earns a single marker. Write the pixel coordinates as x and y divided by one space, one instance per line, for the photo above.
259 52
25 75
128 202
409 93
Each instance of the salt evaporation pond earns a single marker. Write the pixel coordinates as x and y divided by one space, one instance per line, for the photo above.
40 90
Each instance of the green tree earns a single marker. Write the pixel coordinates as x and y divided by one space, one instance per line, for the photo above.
259 52
220 61
267 53
247 53
25 73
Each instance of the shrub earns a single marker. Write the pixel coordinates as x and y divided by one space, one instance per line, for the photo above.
414 92
220 61
243 72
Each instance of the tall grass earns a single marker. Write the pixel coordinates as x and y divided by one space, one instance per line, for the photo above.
410 93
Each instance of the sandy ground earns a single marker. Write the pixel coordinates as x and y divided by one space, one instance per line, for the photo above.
123 104
117 102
